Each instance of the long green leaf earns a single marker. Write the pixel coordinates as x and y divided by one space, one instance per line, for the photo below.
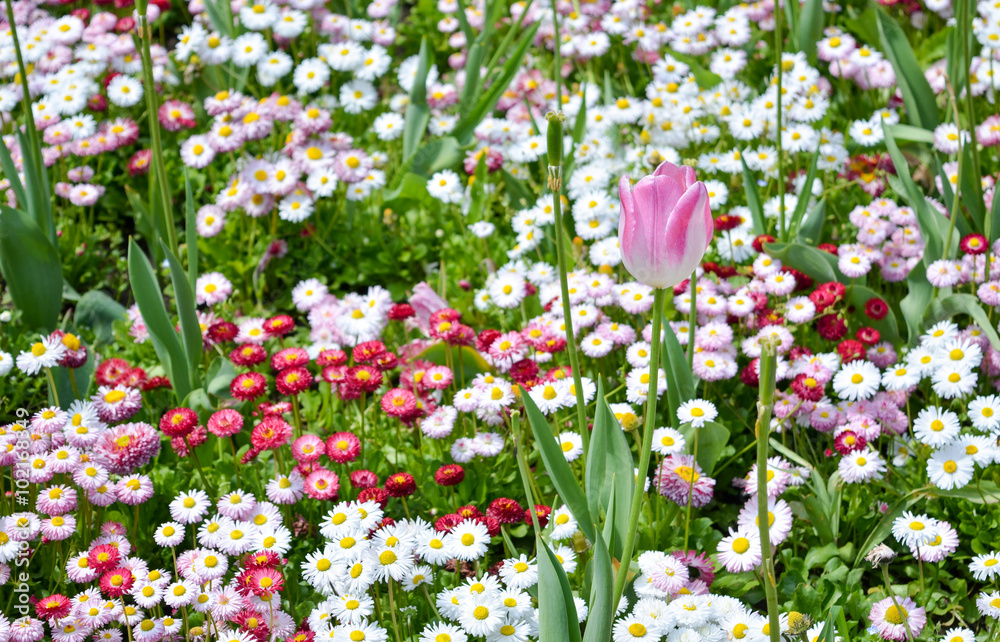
991 225
712 440
753 200
187 312
887 326
10 173
557 618
956 304
602 611
811 28
819 265
918 97
149 298
609 462
98 312
190 232
933 226
31 267
803 203
811 230
468 123
971 189
418 114
914 304
680 379
884 526
559 471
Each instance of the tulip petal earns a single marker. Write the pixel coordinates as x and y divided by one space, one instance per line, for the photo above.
684 174
689 232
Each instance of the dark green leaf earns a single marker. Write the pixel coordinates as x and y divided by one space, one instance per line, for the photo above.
608 459
680 379
187 308
10 173
804 198
558 468
488 100
914 304
887 326
191 232
32 269
819 265
811 28
557 619
918 97
955 304
418 114
98 312
753 200
162 334
712 439
811 230
602 613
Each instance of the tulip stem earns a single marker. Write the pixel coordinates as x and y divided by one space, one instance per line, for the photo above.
554 136
767 366
644 450
692 318
782 233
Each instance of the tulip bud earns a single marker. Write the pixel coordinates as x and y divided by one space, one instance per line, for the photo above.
555 137
665 225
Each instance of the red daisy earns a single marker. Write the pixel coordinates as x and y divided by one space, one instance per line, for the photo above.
399 402
400 485
468 512
368 350
506 510
363 479
103 558
335 374
265 581
446 523
401 311
279 326
108 372
386 361
178 422
247 355
136 378
343 447
289 358
542 512
270 433
292 381
308 448
331 357
247 386
368 378
183 445
973 244
225 423
449 475
322 484
53 607
374 494
117 582
223 331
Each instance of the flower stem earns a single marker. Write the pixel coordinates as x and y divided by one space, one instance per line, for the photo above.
645 449
692 318
522 465
201 473
559 230
892 596
767 364
297 415
392 612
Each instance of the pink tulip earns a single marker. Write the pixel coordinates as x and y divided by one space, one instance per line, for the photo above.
665 225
